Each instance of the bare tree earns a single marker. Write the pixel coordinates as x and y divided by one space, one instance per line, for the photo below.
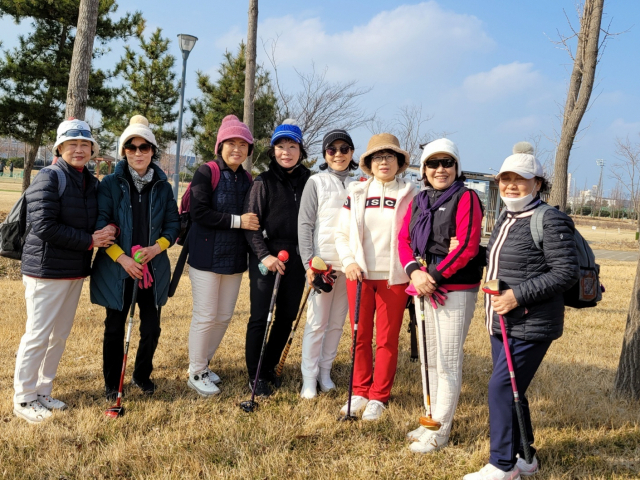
320 105
588 53
250 72
81 61
627 172
627 381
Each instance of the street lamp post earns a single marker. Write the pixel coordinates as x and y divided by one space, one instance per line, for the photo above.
187 42
600 163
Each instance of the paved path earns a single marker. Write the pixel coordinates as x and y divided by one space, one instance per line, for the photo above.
616 255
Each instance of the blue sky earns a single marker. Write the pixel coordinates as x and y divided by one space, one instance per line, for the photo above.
486 71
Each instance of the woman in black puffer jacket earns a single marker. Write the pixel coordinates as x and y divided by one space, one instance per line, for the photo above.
275 198
531 303
62 209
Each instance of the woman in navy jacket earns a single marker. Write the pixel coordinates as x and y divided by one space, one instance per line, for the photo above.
138 199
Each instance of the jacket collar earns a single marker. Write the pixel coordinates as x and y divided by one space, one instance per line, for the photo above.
74 174
359 188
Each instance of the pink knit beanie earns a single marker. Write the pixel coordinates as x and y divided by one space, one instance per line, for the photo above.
231 127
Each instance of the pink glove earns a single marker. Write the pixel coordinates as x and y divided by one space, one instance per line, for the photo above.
439 296
147 279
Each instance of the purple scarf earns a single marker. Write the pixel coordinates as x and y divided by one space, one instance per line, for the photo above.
422 228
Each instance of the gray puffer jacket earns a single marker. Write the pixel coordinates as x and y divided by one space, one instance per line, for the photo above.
538 277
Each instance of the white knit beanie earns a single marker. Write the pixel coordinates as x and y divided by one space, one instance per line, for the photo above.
138 127
523 162
442 145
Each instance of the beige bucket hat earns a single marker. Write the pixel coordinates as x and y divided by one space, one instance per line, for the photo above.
384 141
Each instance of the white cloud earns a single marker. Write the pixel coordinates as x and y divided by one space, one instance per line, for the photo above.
395 45
620 128
501 82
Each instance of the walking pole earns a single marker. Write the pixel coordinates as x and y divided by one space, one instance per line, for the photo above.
356 319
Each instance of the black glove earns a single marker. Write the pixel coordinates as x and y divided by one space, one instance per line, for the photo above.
324 282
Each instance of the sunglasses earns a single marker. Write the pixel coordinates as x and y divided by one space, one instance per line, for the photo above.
131 148
344 149
78 133
445 162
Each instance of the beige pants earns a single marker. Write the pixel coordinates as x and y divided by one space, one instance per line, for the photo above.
51 308
214 300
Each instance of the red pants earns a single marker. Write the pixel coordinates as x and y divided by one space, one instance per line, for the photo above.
387 304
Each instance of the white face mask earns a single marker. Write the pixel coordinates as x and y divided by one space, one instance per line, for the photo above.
517 204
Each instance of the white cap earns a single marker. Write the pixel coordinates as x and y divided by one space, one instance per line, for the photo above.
442 145
83 131
138 127
522 162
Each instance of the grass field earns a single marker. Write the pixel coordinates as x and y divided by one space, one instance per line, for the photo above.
582 431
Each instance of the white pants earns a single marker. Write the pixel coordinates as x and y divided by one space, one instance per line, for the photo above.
326 314
446 329
51 308
214 299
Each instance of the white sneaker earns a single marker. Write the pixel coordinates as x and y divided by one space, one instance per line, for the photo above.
527 469
357 404
212 376
50 403
309 390
429 442
32 412
489 472
202 384
414 435
324 379
374 410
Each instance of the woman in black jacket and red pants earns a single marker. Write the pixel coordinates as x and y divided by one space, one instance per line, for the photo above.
275 198
532 305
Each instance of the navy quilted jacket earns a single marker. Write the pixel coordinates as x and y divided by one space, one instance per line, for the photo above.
114 206
538 277
57 245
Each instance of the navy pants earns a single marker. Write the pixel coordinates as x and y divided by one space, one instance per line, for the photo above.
503 421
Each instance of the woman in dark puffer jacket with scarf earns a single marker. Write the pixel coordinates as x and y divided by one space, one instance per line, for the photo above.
531 303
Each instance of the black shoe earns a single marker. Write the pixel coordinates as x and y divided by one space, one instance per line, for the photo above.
262 388
270 376
111 393
147 386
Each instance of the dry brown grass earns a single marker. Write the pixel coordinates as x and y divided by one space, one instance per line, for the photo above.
581 431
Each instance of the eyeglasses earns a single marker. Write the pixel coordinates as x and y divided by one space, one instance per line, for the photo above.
384 158
78 133
445 162
131 148
344 149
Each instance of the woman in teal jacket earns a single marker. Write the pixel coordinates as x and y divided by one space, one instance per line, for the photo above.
139 201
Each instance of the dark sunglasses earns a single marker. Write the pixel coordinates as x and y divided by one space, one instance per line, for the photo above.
78 133
344 149
131 148
445 162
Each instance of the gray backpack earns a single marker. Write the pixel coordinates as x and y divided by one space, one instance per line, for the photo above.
14 229
587 291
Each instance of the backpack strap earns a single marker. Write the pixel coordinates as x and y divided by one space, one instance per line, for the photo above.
537 224
62 178
215 174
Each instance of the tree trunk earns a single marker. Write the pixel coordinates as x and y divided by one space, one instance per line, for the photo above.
31 158
250 72
628 376
580 87
81 60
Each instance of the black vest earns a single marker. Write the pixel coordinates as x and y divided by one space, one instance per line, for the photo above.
443 228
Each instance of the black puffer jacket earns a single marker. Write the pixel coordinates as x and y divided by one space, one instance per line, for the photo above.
58 245
538 277
275 198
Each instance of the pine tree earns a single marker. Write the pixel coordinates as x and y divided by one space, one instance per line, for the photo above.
226 97
34 76
150 89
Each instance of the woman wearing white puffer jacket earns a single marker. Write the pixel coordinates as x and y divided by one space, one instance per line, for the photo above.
322 199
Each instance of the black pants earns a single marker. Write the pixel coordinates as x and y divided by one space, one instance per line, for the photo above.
114 332
287 304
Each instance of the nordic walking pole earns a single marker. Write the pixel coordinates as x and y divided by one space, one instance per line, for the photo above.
285 352
118 410
356 319
251 405
177 273
427 421
492 287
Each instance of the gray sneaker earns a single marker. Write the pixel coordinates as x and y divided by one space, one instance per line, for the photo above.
50 403
202 384
527 469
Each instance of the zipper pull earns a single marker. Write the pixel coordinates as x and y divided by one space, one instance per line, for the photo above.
139 198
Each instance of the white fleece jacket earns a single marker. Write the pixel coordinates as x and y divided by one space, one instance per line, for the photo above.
350 233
